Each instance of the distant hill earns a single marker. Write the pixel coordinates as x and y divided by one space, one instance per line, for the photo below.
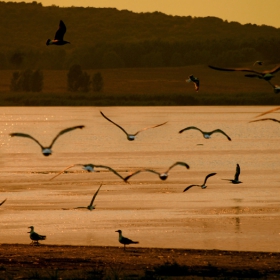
109 38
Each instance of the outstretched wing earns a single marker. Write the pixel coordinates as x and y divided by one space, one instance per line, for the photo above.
94 196
234 69
220 131
237 172
272 71
266 119
27 136
149 128
267 112
64 131
187 188
114 123
66 169
132 174
3 201
178 163
209 175
190 127
111 169
60 32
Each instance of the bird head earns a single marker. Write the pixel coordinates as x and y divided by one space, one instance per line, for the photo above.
31 229
119 231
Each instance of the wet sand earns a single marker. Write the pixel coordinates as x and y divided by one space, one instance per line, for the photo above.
157 213
93 262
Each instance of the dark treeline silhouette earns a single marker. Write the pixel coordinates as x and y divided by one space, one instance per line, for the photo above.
109 38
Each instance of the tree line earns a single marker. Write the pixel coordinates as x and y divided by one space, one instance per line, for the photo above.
109 38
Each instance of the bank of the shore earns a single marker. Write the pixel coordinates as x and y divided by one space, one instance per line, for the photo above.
19 261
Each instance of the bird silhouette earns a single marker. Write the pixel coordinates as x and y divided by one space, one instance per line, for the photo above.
90 206
195 80
125 241
46 150
90 168
129 136
205 134
236 176
203 186
35 237
58 38
259 62
266 75
162 176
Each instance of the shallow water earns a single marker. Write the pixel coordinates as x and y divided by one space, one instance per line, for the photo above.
156 213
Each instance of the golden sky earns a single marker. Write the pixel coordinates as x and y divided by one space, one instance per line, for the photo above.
243 11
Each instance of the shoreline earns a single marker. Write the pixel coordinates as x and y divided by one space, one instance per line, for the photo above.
20 260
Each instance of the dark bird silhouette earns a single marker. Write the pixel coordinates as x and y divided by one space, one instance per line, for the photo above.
236 176
125 241
58 38
269 111
35 237
266 75
203 186
266 119
129 136
46 150
162 176
205 134
195 80
90 168
91 206
3 201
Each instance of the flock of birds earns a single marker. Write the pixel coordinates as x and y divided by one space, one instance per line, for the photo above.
47 150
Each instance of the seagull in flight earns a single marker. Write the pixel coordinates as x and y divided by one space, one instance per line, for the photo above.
163 176
195 80
269 111
58 38
125 241
91 206
236 176
3 201
46 150
130 137
266 75
90 168
203 186
205 134
35 237
259 62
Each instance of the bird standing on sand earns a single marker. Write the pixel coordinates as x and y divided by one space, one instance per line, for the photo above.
90 168
206 135
203 186
3 201
125 241
46 150
129 136
236 176
266 75
58 38
35 237
195 80
91 206
162 176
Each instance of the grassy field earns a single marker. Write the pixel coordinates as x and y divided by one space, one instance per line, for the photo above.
147 87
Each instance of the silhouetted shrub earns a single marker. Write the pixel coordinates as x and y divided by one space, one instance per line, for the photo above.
97 82
77 80
27 80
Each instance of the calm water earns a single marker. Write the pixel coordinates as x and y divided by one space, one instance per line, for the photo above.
156 213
